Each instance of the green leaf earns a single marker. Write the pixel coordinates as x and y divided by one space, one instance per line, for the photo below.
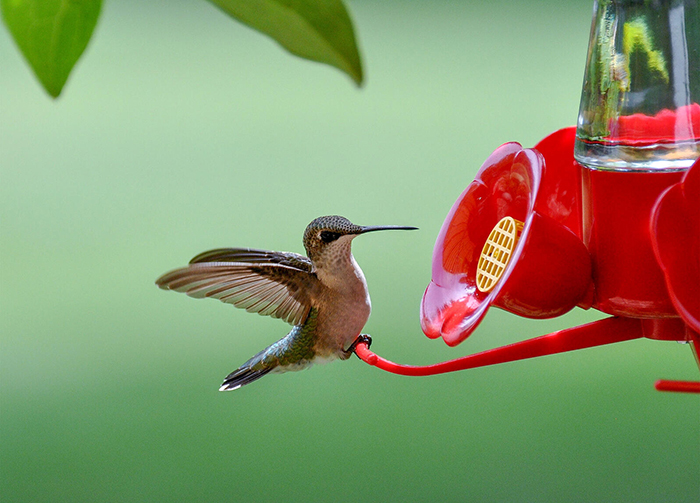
319 30
52 34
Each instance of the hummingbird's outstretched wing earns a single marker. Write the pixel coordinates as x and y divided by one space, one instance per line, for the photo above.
277 284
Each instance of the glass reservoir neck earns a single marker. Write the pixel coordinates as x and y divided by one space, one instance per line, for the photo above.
640 103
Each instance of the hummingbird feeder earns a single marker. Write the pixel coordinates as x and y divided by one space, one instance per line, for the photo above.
605 215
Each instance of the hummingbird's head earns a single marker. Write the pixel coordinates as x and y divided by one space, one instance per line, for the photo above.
331 236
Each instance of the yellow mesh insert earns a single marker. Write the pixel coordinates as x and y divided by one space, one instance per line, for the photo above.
497 252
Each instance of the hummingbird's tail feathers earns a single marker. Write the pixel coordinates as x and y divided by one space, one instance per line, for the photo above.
243 376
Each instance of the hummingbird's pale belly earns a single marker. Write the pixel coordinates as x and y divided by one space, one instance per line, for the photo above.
340 322
343 307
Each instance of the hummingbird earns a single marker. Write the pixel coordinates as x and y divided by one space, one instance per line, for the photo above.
323 296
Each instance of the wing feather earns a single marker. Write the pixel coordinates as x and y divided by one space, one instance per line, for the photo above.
254 256
274 284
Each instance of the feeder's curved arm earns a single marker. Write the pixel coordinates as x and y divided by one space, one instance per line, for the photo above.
597 333
678 386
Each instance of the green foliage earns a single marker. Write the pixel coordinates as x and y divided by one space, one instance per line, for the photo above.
52 35
637 36
319 30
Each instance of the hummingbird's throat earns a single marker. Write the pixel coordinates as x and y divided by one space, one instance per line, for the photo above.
336 267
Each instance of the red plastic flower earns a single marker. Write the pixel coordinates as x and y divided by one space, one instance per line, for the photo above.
549 269
675 231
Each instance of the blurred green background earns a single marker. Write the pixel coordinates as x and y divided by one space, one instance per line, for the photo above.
181 131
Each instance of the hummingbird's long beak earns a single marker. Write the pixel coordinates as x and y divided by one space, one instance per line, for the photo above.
372 228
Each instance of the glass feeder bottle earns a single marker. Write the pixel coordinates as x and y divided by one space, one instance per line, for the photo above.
640 101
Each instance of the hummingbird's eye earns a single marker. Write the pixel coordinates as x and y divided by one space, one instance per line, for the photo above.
328 236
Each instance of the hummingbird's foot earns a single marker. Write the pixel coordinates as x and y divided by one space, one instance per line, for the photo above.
362 338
